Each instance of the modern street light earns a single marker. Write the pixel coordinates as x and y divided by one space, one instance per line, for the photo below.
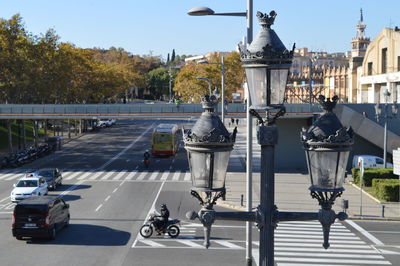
204 11
327 144
209 84
386 116
222 84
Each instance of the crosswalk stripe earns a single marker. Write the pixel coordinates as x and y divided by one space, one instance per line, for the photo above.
318 237
331 250
83 176
120 174
152 243
141 176
336 255
13 176
187 176
106 176
154 175
190 243
96 175
72 175
348 261
296 232
165 175
131 175
356 242
319 244
176 176
228 244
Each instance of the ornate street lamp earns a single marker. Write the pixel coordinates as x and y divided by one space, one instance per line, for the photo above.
209 145
267 64
327 146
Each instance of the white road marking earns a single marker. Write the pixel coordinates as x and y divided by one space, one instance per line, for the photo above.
85 175
335 255
115 190
96 175
69 189
176 176
154 175
296 232
228 244
165 175
190 243
72 175
348 261
130 175
187 176
152 243
120 174
108 175
142 175
365 233
330 250
6 198
317 237
98 208
107 198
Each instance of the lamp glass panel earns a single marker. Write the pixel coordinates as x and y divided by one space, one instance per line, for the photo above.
344 156
257 83
278 85
200 169
322 166
221 160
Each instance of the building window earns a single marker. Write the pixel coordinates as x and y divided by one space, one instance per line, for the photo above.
384 60
398 63
369 68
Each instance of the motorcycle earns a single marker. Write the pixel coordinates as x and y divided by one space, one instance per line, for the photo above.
146 163
171 228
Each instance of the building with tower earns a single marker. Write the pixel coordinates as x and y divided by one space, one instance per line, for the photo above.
359 46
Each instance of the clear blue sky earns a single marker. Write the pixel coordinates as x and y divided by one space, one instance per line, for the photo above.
158 26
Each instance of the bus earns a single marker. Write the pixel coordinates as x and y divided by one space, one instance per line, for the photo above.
165 140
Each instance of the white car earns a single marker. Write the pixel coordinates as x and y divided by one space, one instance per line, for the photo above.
370 161
28 187
104 123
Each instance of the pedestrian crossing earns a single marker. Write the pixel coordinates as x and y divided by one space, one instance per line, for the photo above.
112 175
296 244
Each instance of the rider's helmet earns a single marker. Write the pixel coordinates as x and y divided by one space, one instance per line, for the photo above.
163 206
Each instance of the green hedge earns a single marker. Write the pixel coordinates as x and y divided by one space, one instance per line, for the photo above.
386 189
372 173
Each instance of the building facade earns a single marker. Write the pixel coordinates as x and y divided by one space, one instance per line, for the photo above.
380 70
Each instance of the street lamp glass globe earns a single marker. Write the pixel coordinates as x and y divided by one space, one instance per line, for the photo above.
266 85
208 169
327 169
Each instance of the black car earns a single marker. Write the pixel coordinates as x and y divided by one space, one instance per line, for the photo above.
40 217
52 176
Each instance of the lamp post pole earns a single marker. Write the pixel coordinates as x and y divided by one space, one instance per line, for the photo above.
386 115
202 11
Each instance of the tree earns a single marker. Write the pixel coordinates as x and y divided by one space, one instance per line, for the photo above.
173 56
158 82
190 88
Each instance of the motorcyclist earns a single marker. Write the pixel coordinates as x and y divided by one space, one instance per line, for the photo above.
146 155
162 219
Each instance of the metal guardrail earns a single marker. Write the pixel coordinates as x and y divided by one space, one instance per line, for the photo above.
40 111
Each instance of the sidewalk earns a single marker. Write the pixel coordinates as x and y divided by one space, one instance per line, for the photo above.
291 189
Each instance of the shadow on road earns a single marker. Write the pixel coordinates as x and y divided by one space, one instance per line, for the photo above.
87 235
71 197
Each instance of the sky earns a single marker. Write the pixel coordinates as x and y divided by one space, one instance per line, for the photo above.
155 27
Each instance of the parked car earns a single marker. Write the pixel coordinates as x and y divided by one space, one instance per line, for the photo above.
27 187
104 123
40 217
370 161
113 121
52 176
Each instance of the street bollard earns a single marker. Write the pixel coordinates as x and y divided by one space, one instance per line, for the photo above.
345 205
383 211
241 200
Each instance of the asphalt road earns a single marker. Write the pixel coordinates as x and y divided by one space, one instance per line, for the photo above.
111 194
